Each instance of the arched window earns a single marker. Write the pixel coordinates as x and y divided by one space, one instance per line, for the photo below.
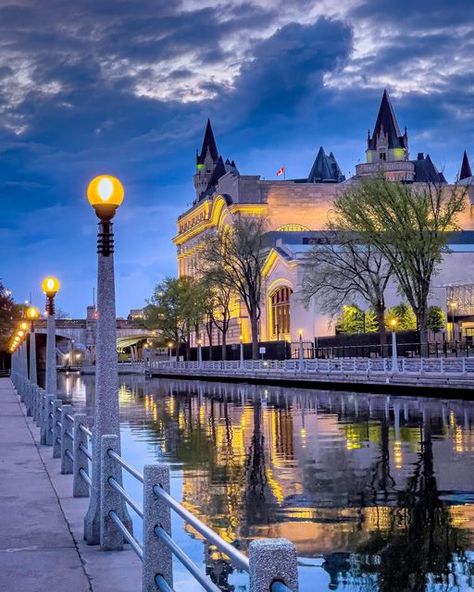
280 304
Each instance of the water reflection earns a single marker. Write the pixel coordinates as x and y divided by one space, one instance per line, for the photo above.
375 491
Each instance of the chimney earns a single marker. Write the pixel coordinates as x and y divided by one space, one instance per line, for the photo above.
420 156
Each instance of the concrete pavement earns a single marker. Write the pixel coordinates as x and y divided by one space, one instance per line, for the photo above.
41 546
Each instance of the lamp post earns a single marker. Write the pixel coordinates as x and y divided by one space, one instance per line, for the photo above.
50 286
170 350
105 194
241 352
301 350
199 352
23 332
393 324
453 306
32 314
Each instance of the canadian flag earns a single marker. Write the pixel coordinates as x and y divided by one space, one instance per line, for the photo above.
281 171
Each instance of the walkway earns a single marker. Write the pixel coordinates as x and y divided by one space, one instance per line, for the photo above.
41 547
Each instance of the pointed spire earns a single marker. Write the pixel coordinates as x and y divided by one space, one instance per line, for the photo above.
386 125
465 168
208 144
325 169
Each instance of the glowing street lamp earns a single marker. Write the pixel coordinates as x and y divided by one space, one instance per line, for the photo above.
393 325
32 314
105 194
50 286
170 350
453 306
301 350
241 351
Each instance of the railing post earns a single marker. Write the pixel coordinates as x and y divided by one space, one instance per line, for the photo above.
111 539
45 418
66 444
272 560
157 558
41 408
57 429
49 419
79 487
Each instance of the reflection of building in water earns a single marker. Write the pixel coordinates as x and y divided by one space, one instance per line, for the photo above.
326 470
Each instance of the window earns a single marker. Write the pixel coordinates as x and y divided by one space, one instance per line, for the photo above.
293 228
382 156
280 304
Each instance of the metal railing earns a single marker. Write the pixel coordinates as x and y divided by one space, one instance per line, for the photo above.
271 564
434 367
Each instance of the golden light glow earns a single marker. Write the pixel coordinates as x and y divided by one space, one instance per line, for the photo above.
32 313
300 332
24 326
21 333
393 323
105 190
50 286
170 344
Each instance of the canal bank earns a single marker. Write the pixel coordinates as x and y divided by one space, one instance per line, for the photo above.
432 386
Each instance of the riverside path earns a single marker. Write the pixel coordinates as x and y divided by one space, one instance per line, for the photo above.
41 546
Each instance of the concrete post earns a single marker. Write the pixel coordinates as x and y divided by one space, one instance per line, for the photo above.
49 419
394 353
79 486
57 403
44 418
66 443
111 539
33 368
241 364
106 410
272 560
51 379
157 558
24 369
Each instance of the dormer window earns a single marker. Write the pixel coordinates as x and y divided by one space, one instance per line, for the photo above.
382 156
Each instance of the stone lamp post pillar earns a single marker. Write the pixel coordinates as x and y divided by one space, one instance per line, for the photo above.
50 287
105 194
393 324
32 313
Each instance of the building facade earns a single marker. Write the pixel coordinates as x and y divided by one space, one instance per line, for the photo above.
297 212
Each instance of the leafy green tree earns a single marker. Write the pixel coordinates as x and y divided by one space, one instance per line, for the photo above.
404 316
177 306
409 225
436 319
351 320
10 314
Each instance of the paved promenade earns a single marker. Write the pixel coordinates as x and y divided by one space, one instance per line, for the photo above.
41 546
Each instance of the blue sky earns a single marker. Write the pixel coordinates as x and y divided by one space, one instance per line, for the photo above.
125 87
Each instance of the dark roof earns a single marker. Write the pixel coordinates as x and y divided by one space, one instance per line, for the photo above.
426 172
386 123
325 169
218 172
465 168
208 143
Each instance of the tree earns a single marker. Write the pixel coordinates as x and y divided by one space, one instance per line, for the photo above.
219 308
351 320
409 225
176 306
436 319
343 267
10 313
236 255
403 315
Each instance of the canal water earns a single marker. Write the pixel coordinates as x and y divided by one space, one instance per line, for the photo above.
376 492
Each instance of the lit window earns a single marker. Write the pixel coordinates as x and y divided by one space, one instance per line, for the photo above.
280 304
293 228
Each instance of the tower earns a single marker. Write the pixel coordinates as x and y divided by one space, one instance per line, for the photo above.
209 165
387 144
465 168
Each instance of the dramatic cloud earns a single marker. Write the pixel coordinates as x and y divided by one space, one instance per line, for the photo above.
125 86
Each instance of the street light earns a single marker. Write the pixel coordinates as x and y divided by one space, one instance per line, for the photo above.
170 350
105 194
301 350
50 286
32 314
241 351
199 352
453 305
393 324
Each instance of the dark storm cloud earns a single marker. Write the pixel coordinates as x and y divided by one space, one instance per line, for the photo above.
125 86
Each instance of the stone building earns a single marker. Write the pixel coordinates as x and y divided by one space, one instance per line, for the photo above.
297 211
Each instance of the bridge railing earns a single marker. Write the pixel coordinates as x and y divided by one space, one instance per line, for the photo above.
442 367
271 564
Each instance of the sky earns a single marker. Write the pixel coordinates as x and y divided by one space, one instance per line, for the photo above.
124 87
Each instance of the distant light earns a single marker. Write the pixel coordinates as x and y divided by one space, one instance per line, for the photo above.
105 188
